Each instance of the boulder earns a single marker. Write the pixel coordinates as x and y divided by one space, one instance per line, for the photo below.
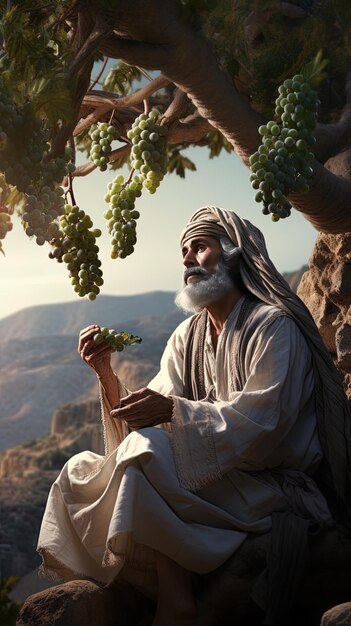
339 615
84 603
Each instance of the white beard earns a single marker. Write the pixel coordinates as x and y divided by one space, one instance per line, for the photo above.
195 296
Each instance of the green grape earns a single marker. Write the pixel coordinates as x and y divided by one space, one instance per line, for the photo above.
5 224
117 340
102 135
281 164
122 216
75 245
149 142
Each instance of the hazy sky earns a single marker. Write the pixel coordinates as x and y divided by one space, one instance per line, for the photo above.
28 277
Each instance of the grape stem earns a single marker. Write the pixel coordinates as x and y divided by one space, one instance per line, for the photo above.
131 173
145 73
147 107
70 188
111 116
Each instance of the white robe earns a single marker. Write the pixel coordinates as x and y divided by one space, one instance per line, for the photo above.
193 489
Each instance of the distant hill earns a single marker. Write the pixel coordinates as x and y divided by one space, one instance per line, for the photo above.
40 371
69 318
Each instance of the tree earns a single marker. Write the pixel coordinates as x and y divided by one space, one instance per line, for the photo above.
218 66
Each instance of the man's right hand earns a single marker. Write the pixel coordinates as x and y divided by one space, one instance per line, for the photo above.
97 355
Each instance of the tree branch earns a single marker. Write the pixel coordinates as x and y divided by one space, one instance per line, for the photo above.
104 101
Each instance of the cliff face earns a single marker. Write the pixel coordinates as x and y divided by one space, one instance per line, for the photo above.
26 475
326 290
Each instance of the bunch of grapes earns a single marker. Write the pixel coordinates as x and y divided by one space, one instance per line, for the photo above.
42 208
5 224
149 154
117 340
23 160
74 244
281 164
121 216
102 135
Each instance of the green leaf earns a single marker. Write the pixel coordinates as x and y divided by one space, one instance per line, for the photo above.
178 163
51 97
216 143
120 78
313 71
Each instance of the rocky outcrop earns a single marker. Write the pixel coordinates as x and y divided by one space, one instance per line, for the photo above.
339 615
326 290
224 596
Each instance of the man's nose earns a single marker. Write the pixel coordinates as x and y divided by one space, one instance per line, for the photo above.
189 259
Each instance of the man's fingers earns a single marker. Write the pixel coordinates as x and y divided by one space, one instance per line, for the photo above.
135 396
86 334
133 409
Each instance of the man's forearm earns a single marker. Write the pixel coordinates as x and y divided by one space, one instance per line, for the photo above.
109 382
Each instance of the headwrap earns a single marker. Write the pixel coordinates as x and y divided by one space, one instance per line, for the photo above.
262 279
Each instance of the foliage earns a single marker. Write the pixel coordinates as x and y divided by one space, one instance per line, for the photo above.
121 77
48 66
179 163
9 610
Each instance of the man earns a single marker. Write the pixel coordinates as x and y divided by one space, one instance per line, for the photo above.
227 434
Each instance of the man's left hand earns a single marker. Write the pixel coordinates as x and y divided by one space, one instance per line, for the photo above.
144 408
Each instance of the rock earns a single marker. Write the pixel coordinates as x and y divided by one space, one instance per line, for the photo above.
339 615
83 603
325 289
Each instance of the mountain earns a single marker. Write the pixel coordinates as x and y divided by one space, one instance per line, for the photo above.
40 371
69 318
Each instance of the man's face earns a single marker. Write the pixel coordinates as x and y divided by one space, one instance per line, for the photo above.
200 253
206 280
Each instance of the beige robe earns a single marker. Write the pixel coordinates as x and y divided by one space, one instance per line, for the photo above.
194 489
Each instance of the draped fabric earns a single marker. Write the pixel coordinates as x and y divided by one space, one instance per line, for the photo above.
261 279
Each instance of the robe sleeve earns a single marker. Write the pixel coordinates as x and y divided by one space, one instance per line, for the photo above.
169 380
211 438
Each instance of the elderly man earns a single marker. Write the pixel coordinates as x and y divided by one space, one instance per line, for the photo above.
226 435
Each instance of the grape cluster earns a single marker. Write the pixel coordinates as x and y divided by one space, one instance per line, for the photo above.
281 164
149 154
5 224
121 216
23 160
74 244
42 208
102 135
117 340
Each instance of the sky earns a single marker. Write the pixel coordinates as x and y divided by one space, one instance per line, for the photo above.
29 278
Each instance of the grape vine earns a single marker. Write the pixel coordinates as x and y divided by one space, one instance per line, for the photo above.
281 164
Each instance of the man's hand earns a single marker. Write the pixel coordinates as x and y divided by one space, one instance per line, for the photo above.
98 356
144 408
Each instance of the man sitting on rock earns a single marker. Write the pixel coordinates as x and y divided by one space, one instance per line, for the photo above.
228 434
